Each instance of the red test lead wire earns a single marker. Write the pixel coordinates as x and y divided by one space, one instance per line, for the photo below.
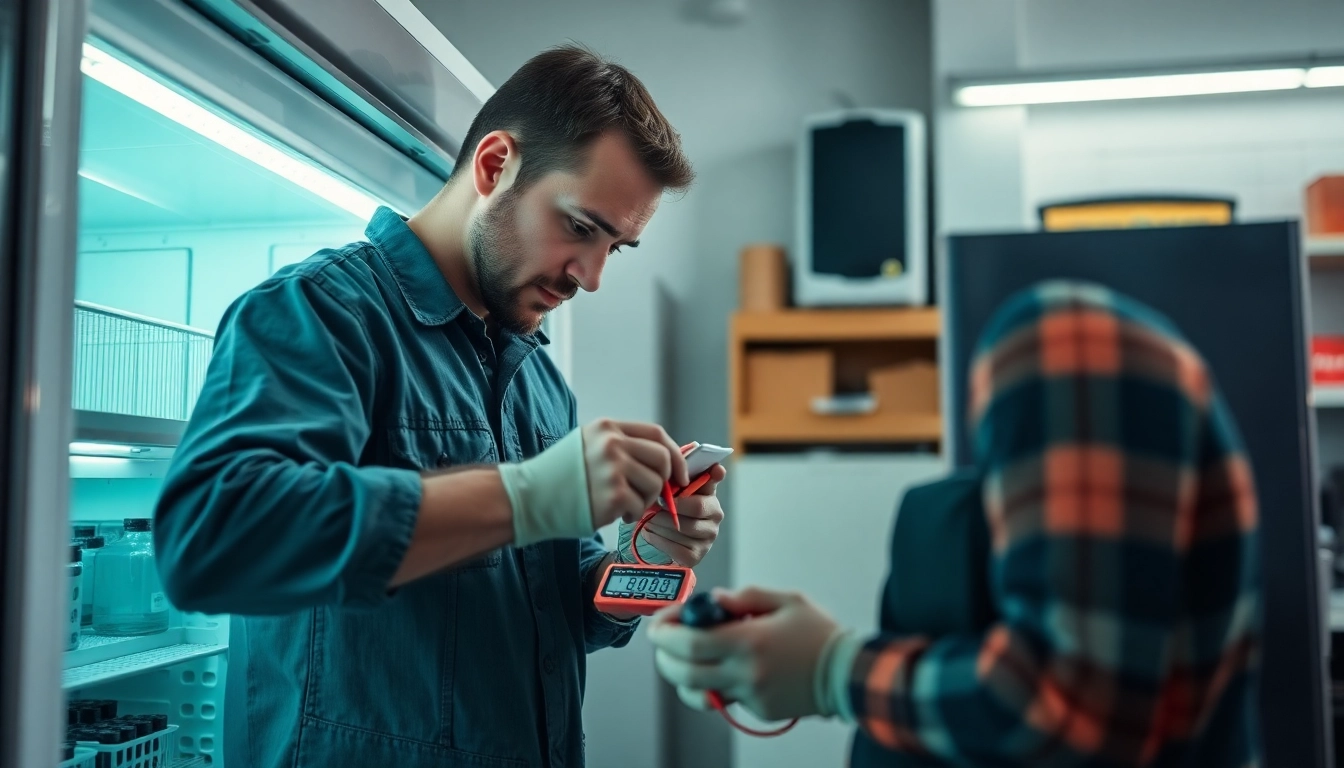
714 698
671 505
716 701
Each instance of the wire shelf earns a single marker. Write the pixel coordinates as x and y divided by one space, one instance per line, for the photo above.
136 663
135 365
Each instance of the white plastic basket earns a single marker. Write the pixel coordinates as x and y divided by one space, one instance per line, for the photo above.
135 365
155 750
85 757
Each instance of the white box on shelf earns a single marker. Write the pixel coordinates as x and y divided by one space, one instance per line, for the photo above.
1321 245
1328 396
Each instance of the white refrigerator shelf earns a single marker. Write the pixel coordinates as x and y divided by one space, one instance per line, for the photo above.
102 659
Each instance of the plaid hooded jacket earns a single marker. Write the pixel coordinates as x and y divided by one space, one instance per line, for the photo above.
1123 568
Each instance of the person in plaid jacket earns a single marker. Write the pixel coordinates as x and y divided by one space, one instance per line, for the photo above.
1123 570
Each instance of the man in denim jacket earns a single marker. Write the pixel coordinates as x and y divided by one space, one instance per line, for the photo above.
384 481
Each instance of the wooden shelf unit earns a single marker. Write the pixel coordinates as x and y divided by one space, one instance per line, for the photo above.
1325 251
806 325
864 331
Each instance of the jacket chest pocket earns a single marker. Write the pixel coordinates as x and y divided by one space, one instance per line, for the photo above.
548 436
440 449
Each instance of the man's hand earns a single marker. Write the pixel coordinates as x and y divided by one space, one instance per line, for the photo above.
627 465
700 514
769 662
593 476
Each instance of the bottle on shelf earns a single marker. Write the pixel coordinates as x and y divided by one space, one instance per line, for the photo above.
75 571
96 724
91 546
128 598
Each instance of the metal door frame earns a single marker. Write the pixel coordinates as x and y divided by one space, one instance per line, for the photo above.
36 295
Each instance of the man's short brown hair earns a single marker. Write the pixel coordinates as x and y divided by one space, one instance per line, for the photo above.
560 101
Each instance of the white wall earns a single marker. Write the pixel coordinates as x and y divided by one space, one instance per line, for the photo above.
1260 148
996 166
978 158
737 95
197 273
1068 34
836 553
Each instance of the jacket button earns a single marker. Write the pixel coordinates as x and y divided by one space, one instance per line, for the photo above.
548 664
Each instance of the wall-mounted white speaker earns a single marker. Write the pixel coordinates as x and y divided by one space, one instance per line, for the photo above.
862 226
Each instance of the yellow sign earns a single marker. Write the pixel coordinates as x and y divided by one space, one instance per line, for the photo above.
891 268
1136 214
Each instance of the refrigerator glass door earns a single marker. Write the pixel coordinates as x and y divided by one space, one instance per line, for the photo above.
39 100
203 169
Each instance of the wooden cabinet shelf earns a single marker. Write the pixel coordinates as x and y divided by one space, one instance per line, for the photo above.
876 427
779 361
804 326
1326 251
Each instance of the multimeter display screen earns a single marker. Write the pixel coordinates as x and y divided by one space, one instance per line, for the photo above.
648 585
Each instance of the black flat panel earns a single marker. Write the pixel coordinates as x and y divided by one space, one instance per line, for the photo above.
1236 294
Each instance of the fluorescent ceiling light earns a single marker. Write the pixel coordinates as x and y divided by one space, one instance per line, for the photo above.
1137 87
104 449
131 82
101 448
1325 77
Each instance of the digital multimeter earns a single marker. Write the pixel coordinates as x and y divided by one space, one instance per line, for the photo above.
644 588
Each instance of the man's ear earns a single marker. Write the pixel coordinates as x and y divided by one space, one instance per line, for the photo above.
494 165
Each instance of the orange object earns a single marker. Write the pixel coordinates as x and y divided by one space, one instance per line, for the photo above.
907 388
1325 206
643 589
763 280
1126 213
784 383
767 416
1327 360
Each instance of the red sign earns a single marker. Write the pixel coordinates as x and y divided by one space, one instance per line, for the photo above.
1327 360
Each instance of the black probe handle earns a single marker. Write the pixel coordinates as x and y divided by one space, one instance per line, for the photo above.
703 612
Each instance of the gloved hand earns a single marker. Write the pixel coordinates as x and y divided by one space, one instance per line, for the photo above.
603 472
779 664
662 544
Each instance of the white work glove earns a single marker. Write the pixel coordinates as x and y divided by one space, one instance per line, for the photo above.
789 660
661 543
603 472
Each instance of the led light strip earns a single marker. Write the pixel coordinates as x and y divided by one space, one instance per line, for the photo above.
1145 86
1325 77
132 83
102 449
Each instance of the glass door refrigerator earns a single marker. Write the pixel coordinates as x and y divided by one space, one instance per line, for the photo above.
160 157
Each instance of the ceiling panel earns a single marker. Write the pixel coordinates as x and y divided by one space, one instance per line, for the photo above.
143 171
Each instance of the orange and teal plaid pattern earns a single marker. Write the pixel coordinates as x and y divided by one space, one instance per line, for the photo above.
1124 558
